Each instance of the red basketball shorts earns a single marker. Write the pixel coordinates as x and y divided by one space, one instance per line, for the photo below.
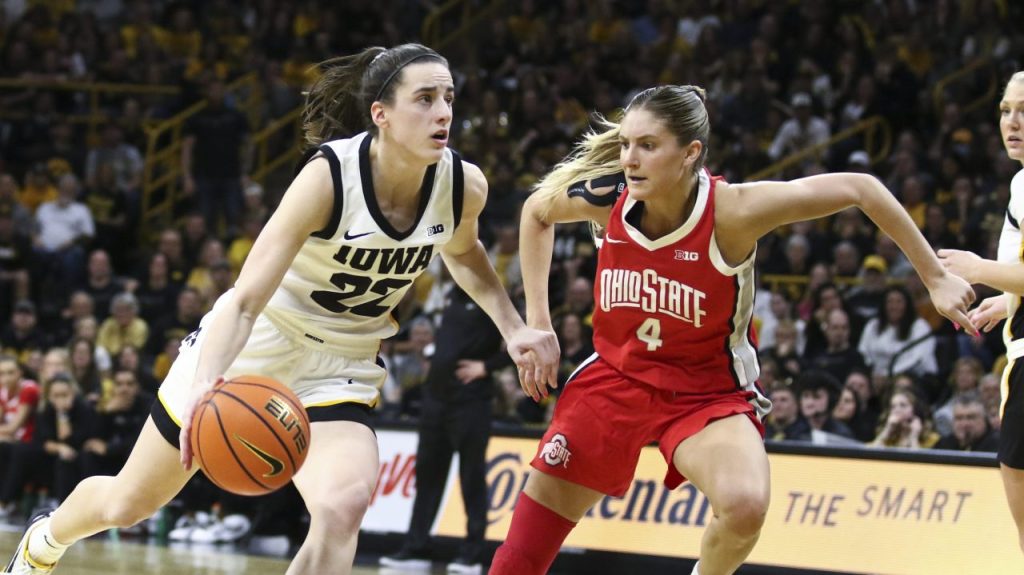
602 420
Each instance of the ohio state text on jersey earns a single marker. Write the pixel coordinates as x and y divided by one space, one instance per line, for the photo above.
671 312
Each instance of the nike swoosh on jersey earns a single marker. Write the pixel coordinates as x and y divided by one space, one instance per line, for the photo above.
352 237
613 241
275 464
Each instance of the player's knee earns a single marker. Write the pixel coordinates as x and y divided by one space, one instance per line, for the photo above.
744 512
340 513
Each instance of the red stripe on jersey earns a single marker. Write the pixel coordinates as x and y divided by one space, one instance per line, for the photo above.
665 314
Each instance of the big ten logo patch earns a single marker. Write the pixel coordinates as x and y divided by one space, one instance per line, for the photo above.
434 230
685 256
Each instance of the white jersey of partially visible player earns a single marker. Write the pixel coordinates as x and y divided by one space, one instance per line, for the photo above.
1011 250
340 289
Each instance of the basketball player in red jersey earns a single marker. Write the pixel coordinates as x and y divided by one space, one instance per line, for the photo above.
674 291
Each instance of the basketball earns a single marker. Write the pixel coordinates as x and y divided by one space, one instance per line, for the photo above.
250 435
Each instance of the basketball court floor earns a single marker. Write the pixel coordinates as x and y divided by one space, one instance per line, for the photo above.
102 556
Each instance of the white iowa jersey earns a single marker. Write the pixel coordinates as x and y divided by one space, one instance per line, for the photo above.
346 278
1011 250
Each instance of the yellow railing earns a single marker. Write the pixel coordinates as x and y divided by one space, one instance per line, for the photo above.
264 164
798 284
438 38
161 172
980 65
877 143
95 113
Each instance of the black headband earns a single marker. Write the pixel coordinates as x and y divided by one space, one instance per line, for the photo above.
397 70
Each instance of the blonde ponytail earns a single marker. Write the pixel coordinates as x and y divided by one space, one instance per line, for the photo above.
595 156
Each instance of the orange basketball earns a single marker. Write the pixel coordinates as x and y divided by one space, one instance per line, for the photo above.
250 435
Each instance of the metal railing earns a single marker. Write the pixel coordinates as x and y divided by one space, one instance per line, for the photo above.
877 142
264 164
95 113
983 67
161 171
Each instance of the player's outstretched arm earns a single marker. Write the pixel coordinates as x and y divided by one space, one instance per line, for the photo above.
751 210
535 352
304 209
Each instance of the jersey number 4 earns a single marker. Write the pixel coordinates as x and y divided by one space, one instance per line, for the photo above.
649 332
353 287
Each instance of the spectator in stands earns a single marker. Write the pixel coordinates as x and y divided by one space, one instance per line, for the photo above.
109 207
965 377
38 188
897 341
222 278
84 371
839 357
215 160
15 261
124 158
971 431
906 424
579 300
12 206
65 225
575 341
22 336
182 321
101 283
785 421
124 326
865 299
130 359
18 400
846 259
156 293
819 392
118 425
52 457
171 246
860 383
242 245
408 367
801 131
785 352
194 236
780 309
199 279
848 412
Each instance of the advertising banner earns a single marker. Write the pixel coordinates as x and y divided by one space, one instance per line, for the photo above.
853 515
391 502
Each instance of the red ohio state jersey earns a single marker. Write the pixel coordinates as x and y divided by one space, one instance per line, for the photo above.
670 312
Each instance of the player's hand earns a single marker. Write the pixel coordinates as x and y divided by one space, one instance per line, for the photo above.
199 389
960 262
536 353
952 296
989 313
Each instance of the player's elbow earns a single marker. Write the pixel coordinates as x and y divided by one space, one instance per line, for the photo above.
536 211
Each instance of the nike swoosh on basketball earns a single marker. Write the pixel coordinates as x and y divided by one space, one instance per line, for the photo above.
275 464
352 237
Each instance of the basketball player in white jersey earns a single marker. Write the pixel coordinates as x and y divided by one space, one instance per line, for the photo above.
1006 274
361 220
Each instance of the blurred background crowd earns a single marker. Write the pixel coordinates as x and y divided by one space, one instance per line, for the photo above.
96 293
